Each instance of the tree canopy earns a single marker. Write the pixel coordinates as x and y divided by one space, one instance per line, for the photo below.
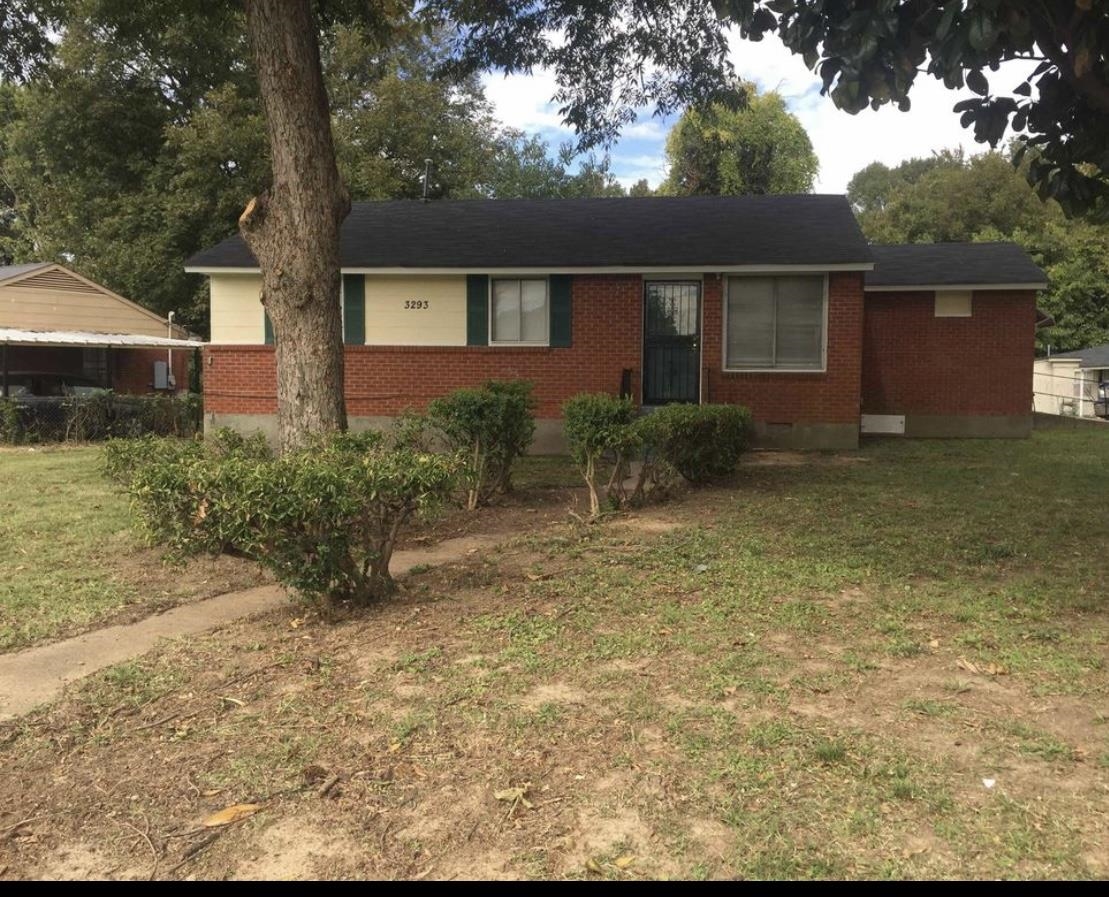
755 145
950 196
124 156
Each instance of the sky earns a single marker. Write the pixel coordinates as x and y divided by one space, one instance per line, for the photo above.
843 143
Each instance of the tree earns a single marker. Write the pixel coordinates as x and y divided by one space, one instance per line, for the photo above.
867 53
641 188
949 196
293 227
753 146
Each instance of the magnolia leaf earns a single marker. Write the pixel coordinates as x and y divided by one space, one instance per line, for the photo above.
234 813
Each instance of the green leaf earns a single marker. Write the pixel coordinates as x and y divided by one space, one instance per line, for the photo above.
977 82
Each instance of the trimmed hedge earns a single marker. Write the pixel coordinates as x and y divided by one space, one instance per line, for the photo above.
605 435
324 520
490 427
99 415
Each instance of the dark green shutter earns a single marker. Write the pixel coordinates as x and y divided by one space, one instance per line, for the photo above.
268 325
354 309
561 311
477 309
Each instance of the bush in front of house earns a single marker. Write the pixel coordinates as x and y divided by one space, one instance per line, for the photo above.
489 427
121 457
324 520
601 435
606 435
701 442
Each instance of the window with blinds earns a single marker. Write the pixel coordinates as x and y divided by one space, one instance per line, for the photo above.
775 323
520 311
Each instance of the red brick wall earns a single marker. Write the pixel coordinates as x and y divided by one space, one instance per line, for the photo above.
916 363
607 338
831 396
384 380
133 369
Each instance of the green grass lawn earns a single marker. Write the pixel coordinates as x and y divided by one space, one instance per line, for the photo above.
890 663
70 559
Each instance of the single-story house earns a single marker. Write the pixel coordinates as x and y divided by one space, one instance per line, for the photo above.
1073 383
61 332
774 302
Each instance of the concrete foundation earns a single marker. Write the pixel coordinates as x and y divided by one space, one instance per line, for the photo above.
968 426
549 438
1042 421
548 433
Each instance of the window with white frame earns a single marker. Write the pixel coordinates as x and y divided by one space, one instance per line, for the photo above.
775 323
519 311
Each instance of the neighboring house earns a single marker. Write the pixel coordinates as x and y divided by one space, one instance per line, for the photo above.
60 331
1073 383
774 302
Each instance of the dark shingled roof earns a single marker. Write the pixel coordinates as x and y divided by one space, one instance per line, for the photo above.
939 264
645 233
1094 357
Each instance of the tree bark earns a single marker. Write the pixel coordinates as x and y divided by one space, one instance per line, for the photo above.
293 227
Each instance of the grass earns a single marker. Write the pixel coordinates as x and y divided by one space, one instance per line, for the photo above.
812 672
70 559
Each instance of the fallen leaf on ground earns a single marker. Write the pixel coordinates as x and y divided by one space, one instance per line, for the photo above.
593 866
518 794
623 862
231 814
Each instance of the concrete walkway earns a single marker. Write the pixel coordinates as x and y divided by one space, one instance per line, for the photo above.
37 675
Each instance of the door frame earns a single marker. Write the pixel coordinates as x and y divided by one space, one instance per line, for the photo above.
690 278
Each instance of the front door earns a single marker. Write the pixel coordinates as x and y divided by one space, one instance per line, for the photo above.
671 341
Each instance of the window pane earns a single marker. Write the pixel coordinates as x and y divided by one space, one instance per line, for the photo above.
534 317
506 310
750 322
800 327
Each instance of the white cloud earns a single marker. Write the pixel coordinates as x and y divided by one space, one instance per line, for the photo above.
844 143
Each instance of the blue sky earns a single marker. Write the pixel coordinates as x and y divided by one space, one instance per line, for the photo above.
843 143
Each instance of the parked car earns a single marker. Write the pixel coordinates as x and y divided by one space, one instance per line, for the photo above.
26 386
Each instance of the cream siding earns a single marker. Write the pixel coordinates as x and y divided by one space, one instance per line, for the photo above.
236 311
57 301
401 310
1059 386
408 310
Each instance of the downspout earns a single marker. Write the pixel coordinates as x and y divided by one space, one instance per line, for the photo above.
170 379
4 374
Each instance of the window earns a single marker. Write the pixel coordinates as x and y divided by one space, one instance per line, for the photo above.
775 323
520 313
953 303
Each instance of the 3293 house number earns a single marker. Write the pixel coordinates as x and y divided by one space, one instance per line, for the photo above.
416 304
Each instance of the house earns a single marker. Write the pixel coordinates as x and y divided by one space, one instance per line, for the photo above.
60 331
775 302
1073 383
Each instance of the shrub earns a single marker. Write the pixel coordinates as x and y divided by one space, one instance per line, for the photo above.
11 430
489 427
701 442
597 427
122 457
324 521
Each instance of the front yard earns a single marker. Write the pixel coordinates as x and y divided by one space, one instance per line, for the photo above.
883 664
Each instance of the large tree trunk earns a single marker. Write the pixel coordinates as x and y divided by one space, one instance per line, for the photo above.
293 228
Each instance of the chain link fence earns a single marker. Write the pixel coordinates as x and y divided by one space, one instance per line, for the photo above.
101 415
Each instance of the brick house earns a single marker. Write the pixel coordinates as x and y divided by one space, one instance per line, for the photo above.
774 302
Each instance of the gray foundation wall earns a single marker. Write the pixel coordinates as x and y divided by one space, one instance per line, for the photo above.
549 438
968 426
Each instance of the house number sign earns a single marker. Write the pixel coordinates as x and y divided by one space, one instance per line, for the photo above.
417 304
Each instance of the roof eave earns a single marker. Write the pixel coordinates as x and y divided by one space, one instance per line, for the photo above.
566 269
931 287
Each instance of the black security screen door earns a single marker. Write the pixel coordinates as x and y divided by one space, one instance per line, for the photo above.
671 342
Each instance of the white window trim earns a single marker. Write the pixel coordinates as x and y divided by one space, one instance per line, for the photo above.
823 369
489 312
